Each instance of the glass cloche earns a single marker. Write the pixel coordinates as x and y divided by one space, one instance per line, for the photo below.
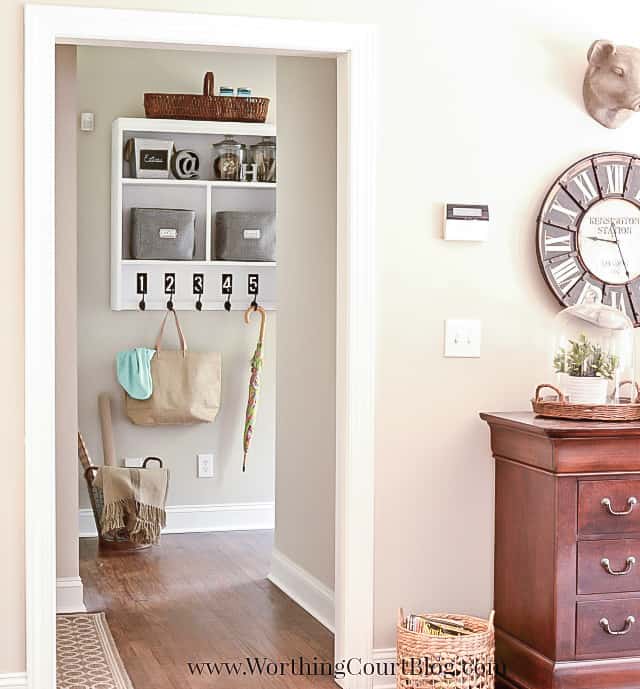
593 355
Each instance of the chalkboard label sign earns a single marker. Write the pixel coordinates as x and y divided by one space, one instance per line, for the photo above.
154 159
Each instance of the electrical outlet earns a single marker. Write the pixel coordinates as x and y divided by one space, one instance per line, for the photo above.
205 466
133 462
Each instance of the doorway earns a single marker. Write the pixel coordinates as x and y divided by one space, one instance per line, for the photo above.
354 48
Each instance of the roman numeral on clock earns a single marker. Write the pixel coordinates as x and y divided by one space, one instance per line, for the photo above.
616 299
571 214
586 186
615 178
566 273
559 244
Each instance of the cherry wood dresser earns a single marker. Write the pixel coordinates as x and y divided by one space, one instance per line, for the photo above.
567 552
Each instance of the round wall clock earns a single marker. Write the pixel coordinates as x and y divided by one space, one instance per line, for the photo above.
588 237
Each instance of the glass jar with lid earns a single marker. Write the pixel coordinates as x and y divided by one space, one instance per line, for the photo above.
263 155
228 156
593 355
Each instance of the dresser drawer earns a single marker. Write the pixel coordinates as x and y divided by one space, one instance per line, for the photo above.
609 507
607 627
609 566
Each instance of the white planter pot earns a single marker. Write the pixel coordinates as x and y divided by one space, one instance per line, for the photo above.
587 390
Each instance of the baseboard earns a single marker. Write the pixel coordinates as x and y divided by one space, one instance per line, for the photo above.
243 516
307 591
69 595
13 680
385 659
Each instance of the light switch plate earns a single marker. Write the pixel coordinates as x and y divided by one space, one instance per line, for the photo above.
87 121
205 466
462 338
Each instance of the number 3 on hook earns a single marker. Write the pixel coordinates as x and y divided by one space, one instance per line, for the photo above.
198 288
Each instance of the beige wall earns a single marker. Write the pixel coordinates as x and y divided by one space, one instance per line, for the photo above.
66 313
479 101
305 439
111 83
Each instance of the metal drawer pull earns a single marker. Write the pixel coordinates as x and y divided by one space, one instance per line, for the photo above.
620 573
628 623
631 502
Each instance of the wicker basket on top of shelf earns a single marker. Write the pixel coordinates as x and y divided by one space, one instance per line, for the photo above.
560 408
189 106
425 661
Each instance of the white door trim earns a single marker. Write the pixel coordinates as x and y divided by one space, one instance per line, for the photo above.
355 49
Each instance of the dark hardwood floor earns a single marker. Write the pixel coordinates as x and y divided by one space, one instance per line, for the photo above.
201 598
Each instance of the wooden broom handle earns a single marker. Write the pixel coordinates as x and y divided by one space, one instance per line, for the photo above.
207 87
106 428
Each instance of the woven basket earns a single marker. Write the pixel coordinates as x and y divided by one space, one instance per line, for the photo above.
561 408
446 662
188 106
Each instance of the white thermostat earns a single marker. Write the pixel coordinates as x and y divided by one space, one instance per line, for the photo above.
466 222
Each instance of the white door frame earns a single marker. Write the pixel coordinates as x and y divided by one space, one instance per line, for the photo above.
355 49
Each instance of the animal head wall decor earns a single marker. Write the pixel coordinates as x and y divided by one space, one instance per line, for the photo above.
611 88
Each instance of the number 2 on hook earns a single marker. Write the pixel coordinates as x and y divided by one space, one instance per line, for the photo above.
169 283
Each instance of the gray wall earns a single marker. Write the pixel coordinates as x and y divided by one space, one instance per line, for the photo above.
306 369
66 310
111 83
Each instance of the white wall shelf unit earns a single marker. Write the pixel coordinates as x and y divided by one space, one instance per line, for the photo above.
204 195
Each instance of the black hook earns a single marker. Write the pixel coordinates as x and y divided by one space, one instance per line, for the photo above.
198 288
141 287
170 303
227 303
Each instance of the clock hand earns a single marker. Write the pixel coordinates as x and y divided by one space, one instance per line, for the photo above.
602 239
615 234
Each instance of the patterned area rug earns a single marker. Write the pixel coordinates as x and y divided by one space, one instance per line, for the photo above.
87 655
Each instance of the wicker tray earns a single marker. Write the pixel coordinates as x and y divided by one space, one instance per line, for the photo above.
189 106
561 408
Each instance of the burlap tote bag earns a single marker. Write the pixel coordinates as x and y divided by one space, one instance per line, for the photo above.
186 386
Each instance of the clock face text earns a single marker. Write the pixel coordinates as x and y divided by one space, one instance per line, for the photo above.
588 235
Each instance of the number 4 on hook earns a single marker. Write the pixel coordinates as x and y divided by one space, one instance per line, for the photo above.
227 289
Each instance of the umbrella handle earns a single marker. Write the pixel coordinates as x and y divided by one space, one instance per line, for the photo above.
263 318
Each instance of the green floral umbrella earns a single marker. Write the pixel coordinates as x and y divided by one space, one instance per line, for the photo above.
254 380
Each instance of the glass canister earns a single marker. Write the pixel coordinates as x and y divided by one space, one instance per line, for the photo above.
593 355
263 154
228 156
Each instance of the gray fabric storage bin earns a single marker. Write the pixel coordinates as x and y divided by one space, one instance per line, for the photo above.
163 233
245 236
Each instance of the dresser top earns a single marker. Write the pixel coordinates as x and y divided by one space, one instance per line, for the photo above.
558 428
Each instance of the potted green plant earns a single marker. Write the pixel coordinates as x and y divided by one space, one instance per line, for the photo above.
589 370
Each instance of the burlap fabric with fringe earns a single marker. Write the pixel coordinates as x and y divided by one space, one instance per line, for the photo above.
134 499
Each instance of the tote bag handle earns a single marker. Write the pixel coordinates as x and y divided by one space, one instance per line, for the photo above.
183 342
